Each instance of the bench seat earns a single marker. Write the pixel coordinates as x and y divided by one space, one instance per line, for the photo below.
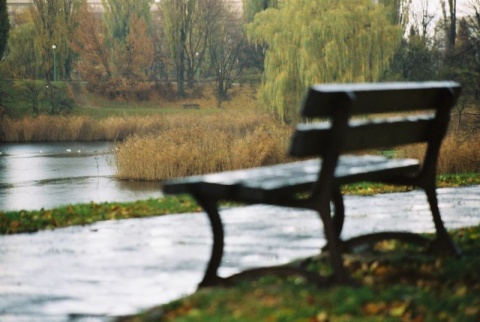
272 184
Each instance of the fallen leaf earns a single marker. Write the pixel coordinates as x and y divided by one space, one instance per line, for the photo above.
322 317
472 310
374 308
398 309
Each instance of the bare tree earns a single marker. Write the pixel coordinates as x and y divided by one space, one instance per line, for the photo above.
177 17
54 22
423 18
449 10
226 46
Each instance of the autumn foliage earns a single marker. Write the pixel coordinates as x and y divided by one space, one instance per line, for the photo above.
120 70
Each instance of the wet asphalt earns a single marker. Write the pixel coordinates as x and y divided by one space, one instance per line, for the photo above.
112 268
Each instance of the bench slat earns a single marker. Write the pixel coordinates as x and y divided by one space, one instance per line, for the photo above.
273 183
313 139
322 100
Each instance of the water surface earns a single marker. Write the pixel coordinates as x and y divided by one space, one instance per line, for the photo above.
46 175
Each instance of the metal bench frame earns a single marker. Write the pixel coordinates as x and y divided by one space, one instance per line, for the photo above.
329 140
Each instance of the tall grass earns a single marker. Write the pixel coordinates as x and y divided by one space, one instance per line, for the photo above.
191 145
460 153
241 139
45 128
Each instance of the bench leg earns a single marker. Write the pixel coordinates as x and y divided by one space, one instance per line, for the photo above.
443 241
338 215
339 210
333 242
210 206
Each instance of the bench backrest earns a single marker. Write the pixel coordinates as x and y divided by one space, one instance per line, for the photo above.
338 103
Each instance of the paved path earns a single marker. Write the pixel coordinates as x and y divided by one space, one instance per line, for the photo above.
119 267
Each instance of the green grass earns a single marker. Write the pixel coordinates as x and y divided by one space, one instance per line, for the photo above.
443 181
19 104
117 111
83 214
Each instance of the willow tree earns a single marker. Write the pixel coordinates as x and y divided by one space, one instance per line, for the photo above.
252 7
323 41
398 11
255 53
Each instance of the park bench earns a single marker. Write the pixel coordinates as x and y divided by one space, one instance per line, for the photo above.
340 119
191 105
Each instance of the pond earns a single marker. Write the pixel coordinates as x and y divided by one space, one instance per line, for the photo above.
47 175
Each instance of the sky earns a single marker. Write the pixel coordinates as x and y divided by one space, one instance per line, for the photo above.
434 8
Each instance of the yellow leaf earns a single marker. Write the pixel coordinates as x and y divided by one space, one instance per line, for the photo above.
322 317
398 309
374 308
471 310
382 271
461 291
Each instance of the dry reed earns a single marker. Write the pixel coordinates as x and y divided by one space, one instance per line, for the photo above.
192 145
234 140
459 153
46 128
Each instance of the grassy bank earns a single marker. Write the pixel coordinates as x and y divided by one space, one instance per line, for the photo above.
13 222
396 284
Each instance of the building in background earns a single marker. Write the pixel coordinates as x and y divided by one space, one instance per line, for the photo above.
16 5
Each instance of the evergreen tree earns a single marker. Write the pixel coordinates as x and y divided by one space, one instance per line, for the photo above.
21 61
416 59
4 27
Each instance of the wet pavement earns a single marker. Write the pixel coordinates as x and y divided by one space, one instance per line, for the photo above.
113 268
